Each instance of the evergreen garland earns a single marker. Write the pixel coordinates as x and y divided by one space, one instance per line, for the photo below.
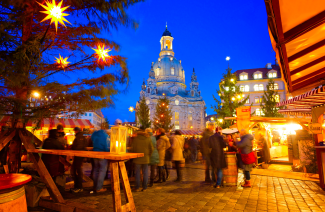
231 98
143 114
269 101
163 115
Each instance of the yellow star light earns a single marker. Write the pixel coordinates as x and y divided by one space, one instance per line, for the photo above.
62 61
102 53
55 13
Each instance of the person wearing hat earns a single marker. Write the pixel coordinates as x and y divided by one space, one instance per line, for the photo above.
79 143
217 156
142 144
154 159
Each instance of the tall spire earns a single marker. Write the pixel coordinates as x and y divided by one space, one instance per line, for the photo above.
166 24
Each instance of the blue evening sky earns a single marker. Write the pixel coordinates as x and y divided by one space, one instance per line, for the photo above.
205 33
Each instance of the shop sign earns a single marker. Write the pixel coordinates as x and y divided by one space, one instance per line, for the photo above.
315 128
243 117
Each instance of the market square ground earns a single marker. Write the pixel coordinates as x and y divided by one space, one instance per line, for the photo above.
267 194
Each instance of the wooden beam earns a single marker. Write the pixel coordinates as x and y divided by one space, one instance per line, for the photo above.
89 154
40 167
308 65
127 188
115 184
304 27
306 51
5 137
253 125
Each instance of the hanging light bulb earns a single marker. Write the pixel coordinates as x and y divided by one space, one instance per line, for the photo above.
233 98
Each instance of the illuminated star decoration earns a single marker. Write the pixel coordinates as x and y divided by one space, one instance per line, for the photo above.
102 53
62 61
55 13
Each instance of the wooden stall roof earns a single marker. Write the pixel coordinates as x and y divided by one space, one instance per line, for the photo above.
89 154
297 33
313 98
191 132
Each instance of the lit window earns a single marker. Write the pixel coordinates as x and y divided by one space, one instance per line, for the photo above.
190 116
256 87
277 98
243 77
157 71
242 88
272 75
176 115
276 86
176 122
290 97
172 71
246 88
257 99
258 111
227 88
247 101
261 87
258 76
176 102
261 99
176 127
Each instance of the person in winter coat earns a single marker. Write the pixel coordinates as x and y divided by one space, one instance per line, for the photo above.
194 143
162 145
142 144
101 144
217 156
79 143
52 162
61 134
206 153
154 159
246 146
177 153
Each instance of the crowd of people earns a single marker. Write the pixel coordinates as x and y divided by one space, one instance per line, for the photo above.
158 150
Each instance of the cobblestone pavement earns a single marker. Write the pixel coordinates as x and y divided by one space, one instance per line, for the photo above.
266 194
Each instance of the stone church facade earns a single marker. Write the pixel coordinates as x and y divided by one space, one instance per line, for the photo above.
167 78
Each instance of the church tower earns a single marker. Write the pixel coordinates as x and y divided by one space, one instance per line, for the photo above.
166 44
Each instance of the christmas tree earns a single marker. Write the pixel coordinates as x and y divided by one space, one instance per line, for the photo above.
40 51
231 98
143 114
163 116
270 99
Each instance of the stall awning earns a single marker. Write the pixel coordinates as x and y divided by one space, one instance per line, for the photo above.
52 122
310 99
296 112
297 33
191 132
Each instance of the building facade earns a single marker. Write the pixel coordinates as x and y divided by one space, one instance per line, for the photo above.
167 78
253 82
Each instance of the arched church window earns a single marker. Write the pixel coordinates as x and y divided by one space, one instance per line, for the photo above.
176 102
167 46
172 71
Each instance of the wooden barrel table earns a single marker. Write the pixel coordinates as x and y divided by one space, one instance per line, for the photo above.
230 174
12 192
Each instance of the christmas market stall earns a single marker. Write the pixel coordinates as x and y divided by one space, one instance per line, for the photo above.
296 33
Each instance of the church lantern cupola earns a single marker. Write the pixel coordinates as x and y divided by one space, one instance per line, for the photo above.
166 43
144 85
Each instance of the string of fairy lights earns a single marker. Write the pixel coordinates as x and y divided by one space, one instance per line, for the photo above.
55 12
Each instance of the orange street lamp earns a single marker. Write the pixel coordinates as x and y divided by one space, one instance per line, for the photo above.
55 13
102 53
62 61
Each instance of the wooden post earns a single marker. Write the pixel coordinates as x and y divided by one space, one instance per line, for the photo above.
127 187
41 169
5 137
115 184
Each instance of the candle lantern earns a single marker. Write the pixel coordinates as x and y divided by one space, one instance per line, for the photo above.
118 139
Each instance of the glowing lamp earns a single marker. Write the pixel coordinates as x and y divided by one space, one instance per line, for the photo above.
36 94
55 13
102 53
227 58
118 139
157 121
220 120
233 98
191 127
164 94
131 109
162 115
212 118
232 80
62 62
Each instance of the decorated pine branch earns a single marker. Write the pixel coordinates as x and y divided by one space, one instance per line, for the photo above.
44 43
143 114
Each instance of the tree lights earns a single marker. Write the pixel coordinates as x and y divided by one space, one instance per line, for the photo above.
62 62
55 13
102 53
